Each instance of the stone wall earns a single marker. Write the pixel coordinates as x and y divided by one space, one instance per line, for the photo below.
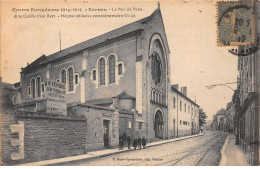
32 137
95 116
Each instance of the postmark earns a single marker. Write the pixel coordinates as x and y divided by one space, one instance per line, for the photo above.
235 23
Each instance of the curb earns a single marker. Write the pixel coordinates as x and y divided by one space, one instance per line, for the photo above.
104 155
222 153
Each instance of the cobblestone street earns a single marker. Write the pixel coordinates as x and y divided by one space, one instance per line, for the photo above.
203 150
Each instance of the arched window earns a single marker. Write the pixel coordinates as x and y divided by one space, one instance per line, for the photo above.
120 69
63 76
111 63
102 76
174 101
33 88
159 98
94 75
76 79
70 72
153 95
156 68
29 90
42 87
162 99
38 86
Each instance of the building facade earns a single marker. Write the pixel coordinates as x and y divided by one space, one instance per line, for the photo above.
123 74
119 82
247 96
183 114
230 117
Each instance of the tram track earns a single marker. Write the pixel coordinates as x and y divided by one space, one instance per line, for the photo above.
190 151
200 151
202 157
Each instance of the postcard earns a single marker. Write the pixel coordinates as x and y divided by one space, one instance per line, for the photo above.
130 83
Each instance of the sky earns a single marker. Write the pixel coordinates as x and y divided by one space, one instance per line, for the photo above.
195 59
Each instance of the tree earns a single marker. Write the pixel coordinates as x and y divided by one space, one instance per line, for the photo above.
202 117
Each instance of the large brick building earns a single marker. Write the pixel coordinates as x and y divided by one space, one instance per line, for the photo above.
120 81
123 74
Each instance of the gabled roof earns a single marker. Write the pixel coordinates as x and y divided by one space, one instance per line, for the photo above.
137 25
109 100
124 95
181 94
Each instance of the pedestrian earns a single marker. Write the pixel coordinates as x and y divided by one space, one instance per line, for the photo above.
139 142
135 143
143 142
129 141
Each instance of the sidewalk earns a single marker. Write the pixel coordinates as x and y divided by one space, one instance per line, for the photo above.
99 154
231 155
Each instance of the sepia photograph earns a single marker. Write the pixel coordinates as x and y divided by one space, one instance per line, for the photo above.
129 83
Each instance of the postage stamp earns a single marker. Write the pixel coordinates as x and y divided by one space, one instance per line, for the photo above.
235 22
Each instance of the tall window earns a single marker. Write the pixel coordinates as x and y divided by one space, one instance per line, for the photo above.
102 71
42 87
120 67
185 107
38 86
111 69
180 105
33 88
153 95
140 125
63 76
29 90
189 109
76 79
174 102
70 72
156 67
94 75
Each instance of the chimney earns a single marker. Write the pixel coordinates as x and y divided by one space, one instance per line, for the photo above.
176 86
184 90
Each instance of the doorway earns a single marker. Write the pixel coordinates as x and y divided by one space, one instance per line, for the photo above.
106 133
158 125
